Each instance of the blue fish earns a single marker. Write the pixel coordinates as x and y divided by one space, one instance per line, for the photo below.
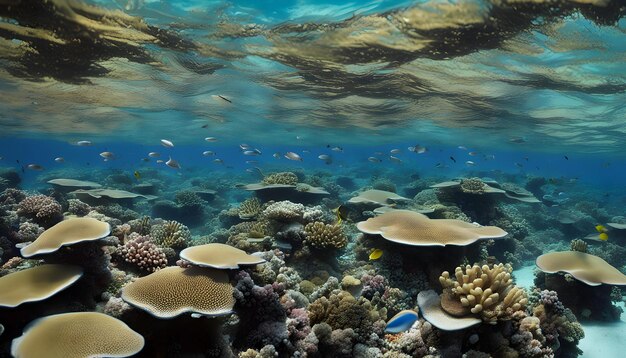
401 322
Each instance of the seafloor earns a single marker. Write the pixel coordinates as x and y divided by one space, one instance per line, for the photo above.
327 265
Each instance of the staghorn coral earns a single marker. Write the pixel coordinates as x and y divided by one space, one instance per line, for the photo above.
170 234
285 178
485 291
325 236
249 208
142 253
42 209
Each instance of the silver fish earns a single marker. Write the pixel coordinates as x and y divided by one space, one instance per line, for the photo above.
473 153
418 149
276 155
252 152
470 163
252 161
326 158
394 151
167 143
160 161
172 164
83 143
107 155
462 147
336 149
59 159
293 156
154 155
374 160
35 167
210 139
218 161
395 159
208 153
517 140
244 146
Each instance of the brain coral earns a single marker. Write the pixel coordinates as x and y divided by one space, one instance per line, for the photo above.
323 236
285 178
42 209
486 291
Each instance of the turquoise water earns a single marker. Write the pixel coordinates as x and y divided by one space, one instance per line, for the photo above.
519 103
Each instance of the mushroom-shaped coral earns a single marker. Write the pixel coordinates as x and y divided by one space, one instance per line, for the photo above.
324 236
68 232
584 267
37 283
486 291
73 183
77 335
429 304
172 291
375 196
219 256
412 228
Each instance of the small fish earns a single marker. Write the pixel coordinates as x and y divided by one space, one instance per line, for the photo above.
342 214
59 159
160 161
306 151
335 149
167 143
473 153
394 151
154 155
376 254
566 158
255 170
36 167
218 161
440 165
374 160
418 149
205 126
136 175
601 228
489 157
252 152
378 153
403 321
145 159
208 153
244 146
395 159
219 96
210 139
293 156
252 161
107 155
462 147
469 163
452 159
83 143
172 164
326 158
603 236
517 140
277 155
519 165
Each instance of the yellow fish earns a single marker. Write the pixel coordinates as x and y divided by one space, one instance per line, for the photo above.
137 175
601 228
342 214
603 236
376 254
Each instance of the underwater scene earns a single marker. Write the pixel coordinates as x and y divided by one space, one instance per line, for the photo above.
313 178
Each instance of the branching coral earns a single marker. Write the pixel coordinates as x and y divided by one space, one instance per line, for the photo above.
473 186
77 207
485 291
42 209
141 252
284 211
578 245
249 208
325 236
171 234
285 178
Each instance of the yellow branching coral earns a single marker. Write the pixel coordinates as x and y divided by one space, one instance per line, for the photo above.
322 236
485 291
250 208
285 178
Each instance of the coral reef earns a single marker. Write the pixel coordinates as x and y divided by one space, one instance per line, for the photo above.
325 236
170 234
142 253
284 178
42 209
